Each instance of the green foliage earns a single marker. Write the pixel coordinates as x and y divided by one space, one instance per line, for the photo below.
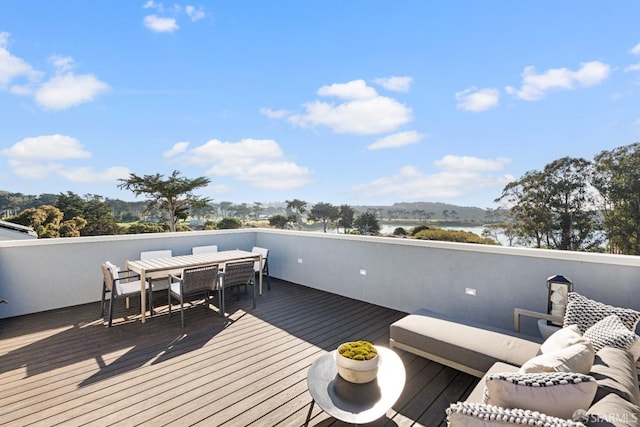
47 222
229 223
210 225
325 213
281 221
173 195
146 227
358 350
367 224
183 227
617 178
419 228
298 207
346 217
399 231
453 236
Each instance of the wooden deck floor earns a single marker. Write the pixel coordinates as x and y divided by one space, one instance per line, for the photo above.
66 367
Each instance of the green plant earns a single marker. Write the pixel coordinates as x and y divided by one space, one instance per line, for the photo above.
358 350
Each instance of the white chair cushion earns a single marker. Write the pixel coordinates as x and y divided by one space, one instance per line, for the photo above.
127 288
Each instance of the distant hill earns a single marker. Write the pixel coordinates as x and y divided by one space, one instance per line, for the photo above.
434 210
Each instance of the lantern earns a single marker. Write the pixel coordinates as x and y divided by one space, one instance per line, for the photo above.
558 292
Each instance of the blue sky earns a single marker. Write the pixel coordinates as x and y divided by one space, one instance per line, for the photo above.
358 102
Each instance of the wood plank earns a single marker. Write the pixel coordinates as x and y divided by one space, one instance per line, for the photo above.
66 367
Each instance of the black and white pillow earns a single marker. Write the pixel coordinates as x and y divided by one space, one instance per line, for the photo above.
480 414
611 332
586 312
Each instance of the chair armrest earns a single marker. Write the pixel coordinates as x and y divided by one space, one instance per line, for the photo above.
174 278
127 274
517 312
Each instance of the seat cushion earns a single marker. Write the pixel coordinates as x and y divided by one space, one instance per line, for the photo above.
612 410
128 288
470 344
614 370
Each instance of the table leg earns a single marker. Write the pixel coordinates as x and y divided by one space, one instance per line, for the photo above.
143 296
306 423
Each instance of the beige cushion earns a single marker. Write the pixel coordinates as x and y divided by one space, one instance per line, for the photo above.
465 414
557 394
614 370
575 358
612 410
562 338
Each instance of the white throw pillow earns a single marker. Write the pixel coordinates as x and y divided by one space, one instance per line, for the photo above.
558 394
563 338
611 332
575 358
585 313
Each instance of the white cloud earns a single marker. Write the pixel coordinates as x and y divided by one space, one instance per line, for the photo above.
194 13
275 114
397 140
178 148
160 25
258 162
46 147
42 156
363 111
476 100
395 83
12 67
453 181
535 86
64 91
631 68
635 50
356 89
62 63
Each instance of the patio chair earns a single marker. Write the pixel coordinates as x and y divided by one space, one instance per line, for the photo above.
236 274
204 249
265 264
120 285
194 281
158 284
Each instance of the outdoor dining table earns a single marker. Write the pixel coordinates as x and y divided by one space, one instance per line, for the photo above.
162 267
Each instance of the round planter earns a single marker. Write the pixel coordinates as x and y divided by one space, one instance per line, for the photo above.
357 371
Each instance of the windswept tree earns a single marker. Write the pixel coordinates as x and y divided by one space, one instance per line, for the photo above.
281 221
173 195
326 213
298 207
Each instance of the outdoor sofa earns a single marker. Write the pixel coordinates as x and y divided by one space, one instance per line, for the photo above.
583 375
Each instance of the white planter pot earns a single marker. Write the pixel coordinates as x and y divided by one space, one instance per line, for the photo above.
357 371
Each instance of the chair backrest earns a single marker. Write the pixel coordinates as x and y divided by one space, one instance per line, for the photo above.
204 249
109 274
155 254
200 279
238 273
262 251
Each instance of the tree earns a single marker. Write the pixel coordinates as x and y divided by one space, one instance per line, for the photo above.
173 195
555 207
281 221
367 223
47 222
99 216
346 215
229 223
617 178
325 213
298 207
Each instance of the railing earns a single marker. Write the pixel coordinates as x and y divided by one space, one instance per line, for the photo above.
474 282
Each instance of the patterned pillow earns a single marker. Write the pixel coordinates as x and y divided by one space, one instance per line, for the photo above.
558 394
585 313
481 415
611 332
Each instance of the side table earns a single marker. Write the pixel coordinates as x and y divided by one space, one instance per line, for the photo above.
355 403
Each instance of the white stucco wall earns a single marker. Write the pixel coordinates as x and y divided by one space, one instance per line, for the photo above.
402 274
